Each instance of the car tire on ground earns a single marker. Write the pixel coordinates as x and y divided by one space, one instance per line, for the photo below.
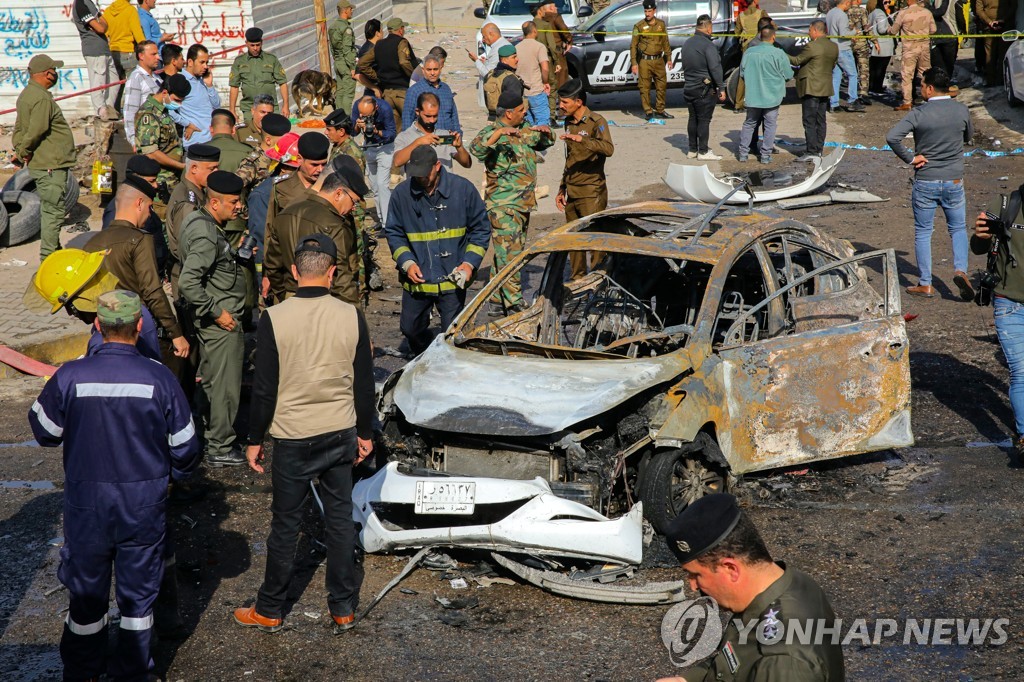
4 219
675 478
732 85
24 211
1011 96
22 182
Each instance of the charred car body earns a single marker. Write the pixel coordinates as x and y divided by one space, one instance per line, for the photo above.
706 342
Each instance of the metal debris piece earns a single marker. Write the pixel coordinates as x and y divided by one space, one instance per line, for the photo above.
409 568
406 590
55 542
189 520
457 604
487 581
54 590
602 573
649 594
439 561
834 197
459 584
311 614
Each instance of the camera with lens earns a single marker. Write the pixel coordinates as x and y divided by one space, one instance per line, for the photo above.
247 249
368 124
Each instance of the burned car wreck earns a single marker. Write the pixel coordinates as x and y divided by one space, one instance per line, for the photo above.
705 342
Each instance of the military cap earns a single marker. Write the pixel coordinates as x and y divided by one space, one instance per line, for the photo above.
506 51
317 243
345 4
137 182
421 160
223 182
702 526
314 147
43 62
254 35
345 166
394 23
203 152
650 4
118 307
572 89
143 165
338 119
179 86
510 99
276 125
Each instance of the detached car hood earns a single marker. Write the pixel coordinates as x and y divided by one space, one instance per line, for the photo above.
468 391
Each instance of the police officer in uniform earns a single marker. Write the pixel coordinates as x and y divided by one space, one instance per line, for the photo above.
327 210
201 160
251 133
726 559
214 285
343 51
124 438
256 72
651 58
232 153
314 148
157 137
584 187
256 167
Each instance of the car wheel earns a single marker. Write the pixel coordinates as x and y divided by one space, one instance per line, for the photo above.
4 219
1011 96
22 182
732 86
24 217
672 480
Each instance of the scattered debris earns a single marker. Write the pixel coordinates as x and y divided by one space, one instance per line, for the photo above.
311 614
602 573
438 561
456 619
833 197
54 590
56 542
406 590
485 581
189 520
457 604
459 584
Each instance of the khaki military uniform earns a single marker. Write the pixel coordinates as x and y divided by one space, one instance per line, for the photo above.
185 198
262 75
583 181
301 218
361 215
343 52
249 135
212 281
155 131
511 178
914 25
649 52
232 153
858 17
548 37
288 189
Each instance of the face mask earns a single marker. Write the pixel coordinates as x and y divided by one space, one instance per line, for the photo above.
172 106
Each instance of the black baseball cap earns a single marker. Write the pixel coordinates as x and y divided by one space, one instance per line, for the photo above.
421 161
317 243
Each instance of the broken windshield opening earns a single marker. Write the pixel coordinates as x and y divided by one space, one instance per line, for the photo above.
626 306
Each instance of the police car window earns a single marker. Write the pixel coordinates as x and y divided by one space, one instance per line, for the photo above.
516 7
623 21
686 13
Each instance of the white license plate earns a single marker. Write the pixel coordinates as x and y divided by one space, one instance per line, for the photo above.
445 497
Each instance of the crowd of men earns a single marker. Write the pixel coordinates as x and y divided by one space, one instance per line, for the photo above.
224 212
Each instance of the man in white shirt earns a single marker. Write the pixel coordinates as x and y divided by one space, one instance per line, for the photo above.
142 83
485 63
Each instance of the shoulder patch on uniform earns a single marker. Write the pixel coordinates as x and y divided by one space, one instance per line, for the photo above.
730 657
281 178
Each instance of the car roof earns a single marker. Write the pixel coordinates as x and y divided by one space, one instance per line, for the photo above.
667 229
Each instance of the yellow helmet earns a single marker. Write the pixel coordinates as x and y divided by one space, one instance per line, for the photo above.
71 275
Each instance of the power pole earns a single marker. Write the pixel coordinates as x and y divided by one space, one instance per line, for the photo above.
322 44
430 16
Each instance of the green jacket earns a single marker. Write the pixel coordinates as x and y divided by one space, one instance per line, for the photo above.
40 131
349 148
211 279
343 46
232 152
256 76
816 62
1011 283
510 165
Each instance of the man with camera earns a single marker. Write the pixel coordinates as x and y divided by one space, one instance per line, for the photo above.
214 286
1002 285
423 131
375 119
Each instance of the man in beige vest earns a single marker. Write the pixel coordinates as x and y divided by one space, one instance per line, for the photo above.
313 391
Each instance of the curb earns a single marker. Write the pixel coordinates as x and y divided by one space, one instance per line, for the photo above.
54 352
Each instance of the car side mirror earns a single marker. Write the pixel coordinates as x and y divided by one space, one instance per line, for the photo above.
480 13
599 34
1011 36
585 11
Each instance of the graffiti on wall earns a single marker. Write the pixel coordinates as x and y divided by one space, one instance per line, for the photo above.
23 32
206 23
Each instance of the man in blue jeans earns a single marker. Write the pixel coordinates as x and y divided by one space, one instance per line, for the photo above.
940 127
839 27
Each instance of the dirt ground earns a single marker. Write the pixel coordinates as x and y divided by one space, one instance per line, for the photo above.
930 531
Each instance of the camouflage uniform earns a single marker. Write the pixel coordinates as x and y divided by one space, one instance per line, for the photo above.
511 174
155 131
364 223
255 168
859 25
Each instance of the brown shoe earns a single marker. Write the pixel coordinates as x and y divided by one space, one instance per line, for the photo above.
343 623
247 617
964 285
924 291
906 106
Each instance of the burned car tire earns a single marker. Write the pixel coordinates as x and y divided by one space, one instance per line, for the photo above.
22 182
23 209
672 480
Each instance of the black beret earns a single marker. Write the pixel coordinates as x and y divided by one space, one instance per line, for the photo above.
345 166
136 182
510 99
314 147
701 526
143 165
317 243
276 125
203 152
254 35
179 86
572 89
223 182
338 119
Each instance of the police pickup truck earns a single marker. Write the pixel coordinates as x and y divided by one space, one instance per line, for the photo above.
599 54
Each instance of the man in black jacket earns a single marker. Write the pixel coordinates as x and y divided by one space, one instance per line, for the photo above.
704 87
389 64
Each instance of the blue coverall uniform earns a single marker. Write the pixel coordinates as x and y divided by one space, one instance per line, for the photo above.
126 428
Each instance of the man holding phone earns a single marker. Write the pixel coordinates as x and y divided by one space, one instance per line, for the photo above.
424 131
196 112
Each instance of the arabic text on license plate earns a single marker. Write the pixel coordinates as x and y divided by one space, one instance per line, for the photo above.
441 497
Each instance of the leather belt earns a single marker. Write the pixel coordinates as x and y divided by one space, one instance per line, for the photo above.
653 56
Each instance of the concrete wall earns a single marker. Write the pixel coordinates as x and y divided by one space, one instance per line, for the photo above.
30 27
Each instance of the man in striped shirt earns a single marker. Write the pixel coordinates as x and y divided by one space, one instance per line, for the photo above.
142 83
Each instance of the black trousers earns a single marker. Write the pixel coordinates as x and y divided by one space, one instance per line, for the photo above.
814 111
944 56
296 463
698 127
876 73
415 319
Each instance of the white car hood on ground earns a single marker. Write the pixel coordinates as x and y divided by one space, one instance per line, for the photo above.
454 389
543 524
